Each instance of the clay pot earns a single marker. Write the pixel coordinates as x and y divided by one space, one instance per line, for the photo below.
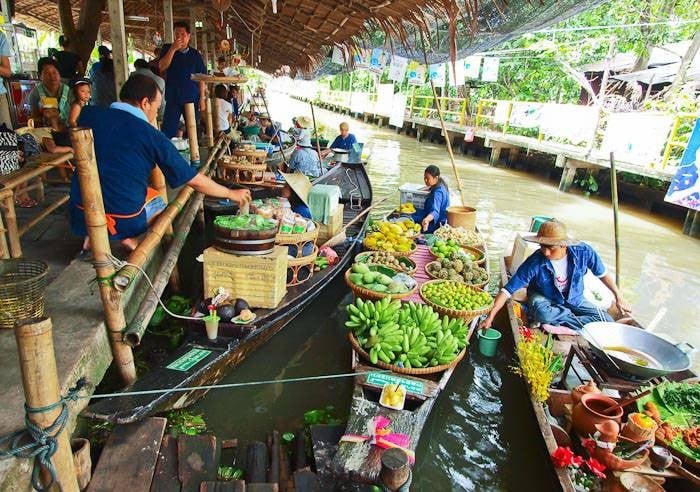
609 430
589 412
82 461
583 389
661 458
615 463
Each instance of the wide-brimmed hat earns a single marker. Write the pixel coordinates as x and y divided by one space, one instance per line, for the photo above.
552 233
299 184
304 121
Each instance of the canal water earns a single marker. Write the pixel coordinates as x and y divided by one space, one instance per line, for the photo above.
480 435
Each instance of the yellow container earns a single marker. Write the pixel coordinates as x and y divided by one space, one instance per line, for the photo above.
464 217
259 279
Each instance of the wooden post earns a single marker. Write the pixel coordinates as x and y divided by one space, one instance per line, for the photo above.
37 362
191 125
395 469
318 138
96 223
616 221
168 21
205 49
116 29
7 18
209 122
193 28
256 462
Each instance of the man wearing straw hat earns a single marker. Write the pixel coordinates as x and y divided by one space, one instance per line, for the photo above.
554 280
305 158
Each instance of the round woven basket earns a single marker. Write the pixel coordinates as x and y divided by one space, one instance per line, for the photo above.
296 265
467 316
22 285
404 370
298 238
467 249
635 433
371 295
478 286
395 253
359 258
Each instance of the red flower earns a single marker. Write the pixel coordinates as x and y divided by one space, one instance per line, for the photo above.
562 457
589 444
596 467
576 461
526 333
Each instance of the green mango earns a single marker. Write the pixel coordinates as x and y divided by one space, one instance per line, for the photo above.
356 278
378 287
369 277
383 279
360 268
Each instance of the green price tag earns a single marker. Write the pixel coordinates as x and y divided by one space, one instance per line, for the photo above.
380 379
188 360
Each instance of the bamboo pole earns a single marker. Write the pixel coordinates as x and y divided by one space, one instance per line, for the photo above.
209 122
157 229
191 125
616 224
96 224
158 183
37 362
318 143
444 129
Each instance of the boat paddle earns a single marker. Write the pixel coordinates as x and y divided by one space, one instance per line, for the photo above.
318 138
336 239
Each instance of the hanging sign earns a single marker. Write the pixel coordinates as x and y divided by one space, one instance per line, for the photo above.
456 73
490 70
377 60
398 110
397 68
684 189
472 64
362 58
385 99
437 74
416 73
337 56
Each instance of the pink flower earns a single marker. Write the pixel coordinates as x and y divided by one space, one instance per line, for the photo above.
589 444
595 467
562 457
576 461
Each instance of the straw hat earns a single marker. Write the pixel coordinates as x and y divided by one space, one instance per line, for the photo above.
304 121
552 233
299 184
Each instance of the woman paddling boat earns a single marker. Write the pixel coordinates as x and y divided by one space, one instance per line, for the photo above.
434 214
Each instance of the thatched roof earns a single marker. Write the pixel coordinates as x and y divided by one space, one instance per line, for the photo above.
301 33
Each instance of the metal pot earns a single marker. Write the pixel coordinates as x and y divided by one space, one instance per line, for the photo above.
638 353
341 155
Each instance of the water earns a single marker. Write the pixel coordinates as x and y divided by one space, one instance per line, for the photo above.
481 434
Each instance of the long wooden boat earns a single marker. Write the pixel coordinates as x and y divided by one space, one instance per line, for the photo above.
202 362
508 323
280 156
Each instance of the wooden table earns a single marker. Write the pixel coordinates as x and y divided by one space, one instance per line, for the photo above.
29 178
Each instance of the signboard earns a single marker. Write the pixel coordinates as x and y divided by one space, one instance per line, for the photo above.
397 68
437 74
362 58
490 70
571 122
398 110
358 103
381 378
472 65
684 189
338 57
416 73
456 73
377 60
637 137
188 360
525 115
385 99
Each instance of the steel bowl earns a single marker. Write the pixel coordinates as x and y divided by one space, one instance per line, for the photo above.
637 353
341 155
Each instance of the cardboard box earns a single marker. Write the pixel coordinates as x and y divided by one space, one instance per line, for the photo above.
259 279
521 251
327 231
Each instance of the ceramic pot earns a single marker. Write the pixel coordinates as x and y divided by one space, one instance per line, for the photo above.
615 463
82 461
661 458
589 412
583 389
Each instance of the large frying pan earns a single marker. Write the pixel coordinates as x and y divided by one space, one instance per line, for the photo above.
638 353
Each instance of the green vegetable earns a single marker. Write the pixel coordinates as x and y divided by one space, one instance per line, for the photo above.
288 436
369 278
680 397
360 268
356 278
384 279
252 222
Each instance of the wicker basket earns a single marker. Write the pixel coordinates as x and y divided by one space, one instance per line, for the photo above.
634 432
467 316
299 239
404 370
359 258
467 249
238 169
296 265
371 295
22 285
478 286
395 253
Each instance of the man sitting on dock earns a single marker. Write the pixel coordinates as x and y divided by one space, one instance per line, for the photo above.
127 148
554 278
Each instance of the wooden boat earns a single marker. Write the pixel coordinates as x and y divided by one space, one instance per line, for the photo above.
202 362
280 156
508 323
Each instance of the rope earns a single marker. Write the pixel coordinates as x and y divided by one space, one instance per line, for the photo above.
42 443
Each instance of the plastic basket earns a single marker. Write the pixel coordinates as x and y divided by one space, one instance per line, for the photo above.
22 285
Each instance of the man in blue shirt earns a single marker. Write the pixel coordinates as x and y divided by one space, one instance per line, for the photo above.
554 278
343 141
177 63
127 148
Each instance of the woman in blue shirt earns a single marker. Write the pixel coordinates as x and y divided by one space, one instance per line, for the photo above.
434 213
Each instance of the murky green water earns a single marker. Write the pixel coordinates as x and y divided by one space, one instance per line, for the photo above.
480 435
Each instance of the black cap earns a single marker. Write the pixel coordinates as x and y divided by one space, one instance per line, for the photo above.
103 50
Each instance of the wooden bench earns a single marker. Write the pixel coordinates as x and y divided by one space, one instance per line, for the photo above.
31 177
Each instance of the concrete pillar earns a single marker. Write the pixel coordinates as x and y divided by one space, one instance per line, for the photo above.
567 177
168 21
691 227
495 156
118 36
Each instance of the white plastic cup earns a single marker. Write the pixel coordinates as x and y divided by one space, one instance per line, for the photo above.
211 323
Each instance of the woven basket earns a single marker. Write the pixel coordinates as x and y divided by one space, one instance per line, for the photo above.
359 258
403 370
22 285
395 253
295 265
467 249
371 295
303 237
478 286
467 316
635 433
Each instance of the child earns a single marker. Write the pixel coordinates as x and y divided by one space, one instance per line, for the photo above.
224 110
81 95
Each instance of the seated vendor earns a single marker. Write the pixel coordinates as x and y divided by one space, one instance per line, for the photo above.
305 159
343 141
301 128
554 280
51 88
296 190
434 213
127 148
268 132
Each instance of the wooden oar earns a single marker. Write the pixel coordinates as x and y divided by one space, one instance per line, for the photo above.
358 217
318 139
613 408
616 222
